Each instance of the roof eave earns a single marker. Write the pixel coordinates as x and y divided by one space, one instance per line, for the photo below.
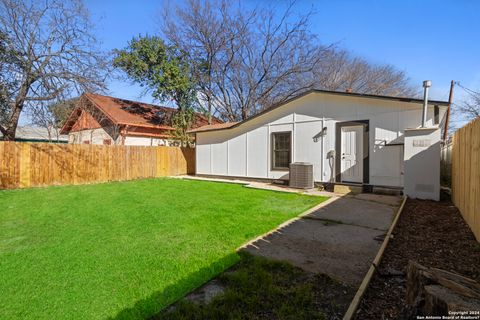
347 94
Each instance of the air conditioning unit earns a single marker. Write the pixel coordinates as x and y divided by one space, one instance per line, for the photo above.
301 175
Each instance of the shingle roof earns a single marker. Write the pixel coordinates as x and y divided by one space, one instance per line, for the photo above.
217 126
135 113
340 93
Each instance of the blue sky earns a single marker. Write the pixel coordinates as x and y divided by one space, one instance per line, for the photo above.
436 40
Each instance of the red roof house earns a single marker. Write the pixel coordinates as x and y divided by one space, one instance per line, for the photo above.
100 119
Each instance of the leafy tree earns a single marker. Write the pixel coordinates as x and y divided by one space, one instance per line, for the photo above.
62 110
164 71
182 120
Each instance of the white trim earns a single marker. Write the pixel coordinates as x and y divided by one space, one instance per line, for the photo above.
246 154
211 159
322 153
293 138
228 157
269 160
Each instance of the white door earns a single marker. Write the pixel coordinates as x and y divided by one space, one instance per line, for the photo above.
352 154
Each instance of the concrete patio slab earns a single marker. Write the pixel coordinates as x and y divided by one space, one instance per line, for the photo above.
340 239
262 185
357 212
385 199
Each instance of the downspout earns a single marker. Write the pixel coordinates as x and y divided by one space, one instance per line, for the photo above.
323 150
426 85
293 139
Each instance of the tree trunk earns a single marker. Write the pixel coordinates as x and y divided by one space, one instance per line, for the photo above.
11 127
244 113
9 134
209 104
435 292
440 300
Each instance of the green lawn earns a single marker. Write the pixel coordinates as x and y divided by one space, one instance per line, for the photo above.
125 250
259 288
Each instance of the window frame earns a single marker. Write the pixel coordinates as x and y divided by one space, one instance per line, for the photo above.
272 151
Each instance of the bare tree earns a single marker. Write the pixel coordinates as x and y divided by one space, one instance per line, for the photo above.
56 55
469 109
7 84
52 116
250 59
43 117
338 70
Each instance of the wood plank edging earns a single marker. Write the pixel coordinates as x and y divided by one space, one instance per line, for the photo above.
368 277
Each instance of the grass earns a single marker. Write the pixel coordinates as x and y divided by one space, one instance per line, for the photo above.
125 250
259 289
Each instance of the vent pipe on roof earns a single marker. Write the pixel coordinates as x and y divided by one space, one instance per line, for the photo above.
426 85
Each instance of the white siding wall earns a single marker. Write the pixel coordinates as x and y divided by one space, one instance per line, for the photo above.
144 141
93 136
257 161
97 136
237 155
244 151
308 145
202 153
219 154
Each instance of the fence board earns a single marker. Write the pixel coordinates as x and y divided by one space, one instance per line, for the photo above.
466 174
24 164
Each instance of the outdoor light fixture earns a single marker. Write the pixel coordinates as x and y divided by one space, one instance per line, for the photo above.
320 134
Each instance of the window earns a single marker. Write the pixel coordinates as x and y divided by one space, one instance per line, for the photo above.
281 150
107 141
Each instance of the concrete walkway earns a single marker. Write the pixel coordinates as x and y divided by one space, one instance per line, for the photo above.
340 239
261 185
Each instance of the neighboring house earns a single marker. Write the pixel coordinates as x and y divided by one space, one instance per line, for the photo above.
100 119
38 134
348 137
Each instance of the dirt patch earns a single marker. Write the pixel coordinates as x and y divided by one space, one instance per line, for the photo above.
259 288
431 233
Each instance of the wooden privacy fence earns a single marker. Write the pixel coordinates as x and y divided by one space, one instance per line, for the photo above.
24 165
466 174
446 165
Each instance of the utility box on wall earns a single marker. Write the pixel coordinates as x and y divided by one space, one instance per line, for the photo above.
422 163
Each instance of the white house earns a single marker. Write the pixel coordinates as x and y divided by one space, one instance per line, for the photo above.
348 137
38 134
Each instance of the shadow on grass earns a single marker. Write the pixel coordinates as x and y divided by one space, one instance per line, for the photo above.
146 308
260 288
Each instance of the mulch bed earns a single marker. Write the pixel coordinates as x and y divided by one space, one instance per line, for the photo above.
433 234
